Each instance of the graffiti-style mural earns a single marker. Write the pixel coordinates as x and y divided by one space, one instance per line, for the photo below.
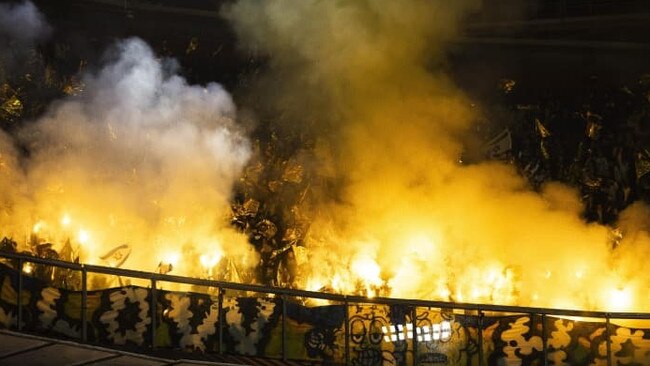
456 345
367 345
392 335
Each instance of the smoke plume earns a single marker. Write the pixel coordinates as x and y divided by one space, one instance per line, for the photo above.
21 26
23 22
366 79
140 158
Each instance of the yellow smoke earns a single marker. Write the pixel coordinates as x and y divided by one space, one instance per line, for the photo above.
367 78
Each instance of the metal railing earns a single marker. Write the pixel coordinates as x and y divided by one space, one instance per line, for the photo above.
283 293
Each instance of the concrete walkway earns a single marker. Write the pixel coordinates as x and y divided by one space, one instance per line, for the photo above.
27 350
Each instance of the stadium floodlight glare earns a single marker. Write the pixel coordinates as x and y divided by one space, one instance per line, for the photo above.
446 331
435 332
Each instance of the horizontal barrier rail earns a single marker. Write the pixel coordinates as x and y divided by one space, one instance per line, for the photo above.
321 295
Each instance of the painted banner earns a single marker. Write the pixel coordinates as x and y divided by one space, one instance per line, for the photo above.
253 326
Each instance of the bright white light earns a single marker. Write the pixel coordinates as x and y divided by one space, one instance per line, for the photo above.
436 332
446 330
83 236
620 299
366 269
205 260
66 220
427 335
171 258
209 261
400 332
37 227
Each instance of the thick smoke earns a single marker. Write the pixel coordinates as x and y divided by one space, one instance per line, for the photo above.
21 27
22 22
140 158
366 78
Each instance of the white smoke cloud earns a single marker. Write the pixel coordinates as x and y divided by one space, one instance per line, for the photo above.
23 22
141 157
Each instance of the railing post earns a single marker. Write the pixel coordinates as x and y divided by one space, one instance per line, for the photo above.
284 327
415 335
84 304
346 329
154 300
607 340
220 319
545 339
19 297
480 337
